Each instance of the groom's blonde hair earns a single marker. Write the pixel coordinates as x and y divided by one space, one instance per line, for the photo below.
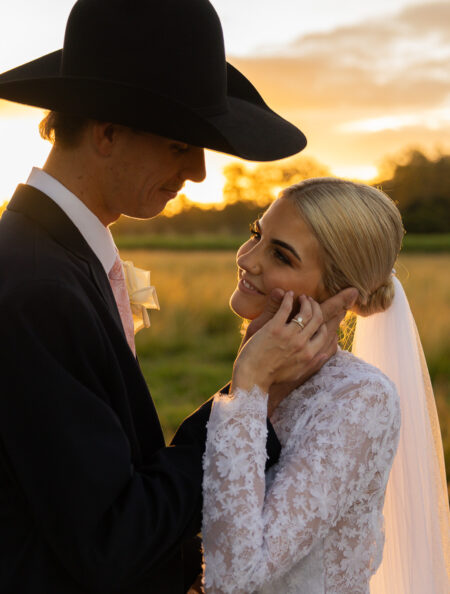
360 232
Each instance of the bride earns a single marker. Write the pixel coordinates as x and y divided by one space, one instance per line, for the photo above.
314 523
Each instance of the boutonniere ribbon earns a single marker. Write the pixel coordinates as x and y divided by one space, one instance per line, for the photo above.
141 293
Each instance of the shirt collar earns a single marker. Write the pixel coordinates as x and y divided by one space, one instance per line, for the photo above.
97 236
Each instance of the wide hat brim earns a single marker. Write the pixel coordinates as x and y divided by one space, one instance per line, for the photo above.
158 67
247 127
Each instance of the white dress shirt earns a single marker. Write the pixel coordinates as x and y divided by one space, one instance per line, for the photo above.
97 236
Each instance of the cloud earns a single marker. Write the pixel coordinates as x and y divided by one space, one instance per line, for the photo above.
416 30
433 16
396 63
361 92
432 119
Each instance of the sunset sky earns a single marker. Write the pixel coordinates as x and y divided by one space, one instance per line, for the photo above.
364 81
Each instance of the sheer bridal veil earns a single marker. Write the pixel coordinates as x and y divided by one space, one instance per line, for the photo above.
416 557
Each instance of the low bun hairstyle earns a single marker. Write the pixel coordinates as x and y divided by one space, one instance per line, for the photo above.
360 232
377 301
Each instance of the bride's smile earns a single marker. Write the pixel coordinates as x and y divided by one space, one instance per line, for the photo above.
281 252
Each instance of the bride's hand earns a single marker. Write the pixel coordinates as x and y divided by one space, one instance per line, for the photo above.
333 311
270 309
281 351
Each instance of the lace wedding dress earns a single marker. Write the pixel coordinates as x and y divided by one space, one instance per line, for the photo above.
314 524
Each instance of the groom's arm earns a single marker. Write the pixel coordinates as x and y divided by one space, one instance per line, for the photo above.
193 430
98 512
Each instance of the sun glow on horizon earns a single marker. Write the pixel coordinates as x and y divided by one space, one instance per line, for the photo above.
210 190
364 173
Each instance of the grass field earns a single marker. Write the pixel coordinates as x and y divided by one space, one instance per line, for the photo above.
429 243
188 352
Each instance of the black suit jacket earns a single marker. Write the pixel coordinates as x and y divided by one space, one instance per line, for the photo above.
91 500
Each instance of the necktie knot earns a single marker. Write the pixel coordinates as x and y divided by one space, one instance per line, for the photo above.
116 272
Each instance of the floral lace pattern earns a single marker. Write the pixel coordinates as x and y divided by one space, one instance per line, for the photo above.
314 523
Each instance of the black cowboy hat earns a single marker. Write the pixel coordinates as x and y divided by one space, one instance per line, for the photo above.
158 66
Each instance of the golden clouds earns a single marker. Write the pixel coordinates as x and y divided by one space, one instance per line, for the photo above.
364 90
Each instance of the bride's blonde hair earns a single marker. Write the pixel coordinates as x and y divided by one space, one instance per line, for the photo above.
360 232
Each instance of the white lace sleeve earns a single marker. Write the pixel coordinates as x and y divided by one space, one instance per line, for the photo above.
251 537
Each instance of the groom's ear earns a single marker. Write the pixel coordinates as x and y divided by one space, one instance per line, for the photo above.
104 136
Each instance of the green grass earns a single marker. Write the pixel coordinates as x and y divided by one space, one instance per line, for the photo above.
412 243
180 242
428 243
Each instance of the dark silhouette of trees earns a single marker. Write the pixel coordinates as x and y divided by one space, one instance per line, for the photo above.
421 188
262 183
234 219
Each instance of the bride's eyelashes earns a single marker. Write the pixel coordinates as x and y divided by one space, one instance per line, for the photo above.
254 230
255 233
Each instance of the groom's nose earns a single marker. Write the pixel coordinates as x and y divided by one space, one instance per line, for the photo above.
194 167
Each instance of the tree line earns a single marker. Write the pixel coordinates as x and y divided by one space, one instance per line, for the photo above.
418 184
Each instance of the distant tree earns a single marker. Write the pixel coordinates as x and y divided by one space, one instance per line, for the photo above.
261 184
421 187
233 219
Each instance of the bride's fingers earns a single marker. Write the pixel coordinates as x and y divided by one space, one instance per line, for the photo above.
336 307
285 309
305 312
311 325
319 340
325 341
272 305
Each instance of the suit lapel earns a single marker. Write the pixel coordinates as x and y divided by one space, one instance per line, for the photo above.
37 206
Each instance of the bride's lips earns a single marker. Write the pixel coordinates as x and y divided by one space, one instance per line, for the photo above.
246 286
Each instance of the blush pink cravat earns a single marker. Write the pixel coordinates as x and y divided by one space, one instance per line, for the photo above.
119 288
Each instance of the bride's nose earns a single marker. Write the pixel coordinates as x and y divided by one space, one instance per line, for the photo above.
248 260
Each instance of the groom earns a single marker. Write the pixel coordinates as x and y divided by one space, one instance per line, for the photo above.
91 500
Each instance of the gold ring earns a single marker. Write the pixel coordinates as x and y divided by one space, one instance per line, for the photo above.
299 320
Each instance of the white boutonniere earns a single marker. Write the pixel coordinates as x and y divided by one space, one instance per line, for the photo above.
141 293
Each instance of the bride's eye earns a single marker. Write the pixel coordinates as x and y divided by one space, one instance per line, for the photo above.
280 256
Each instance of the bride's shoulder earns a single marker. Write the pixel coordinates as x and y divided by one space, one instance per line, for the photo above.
350 377
346 393
348 368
